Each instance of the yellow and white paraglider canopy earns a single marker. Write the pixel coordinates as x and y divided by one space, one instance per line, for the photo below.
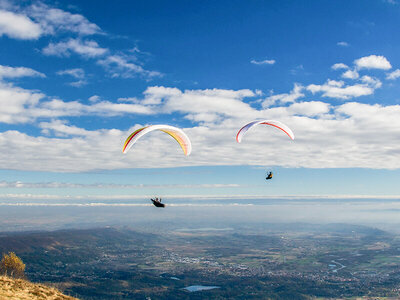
175 132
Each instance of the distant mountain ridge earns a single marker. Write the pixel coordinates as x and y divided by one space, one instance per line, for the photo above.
19 289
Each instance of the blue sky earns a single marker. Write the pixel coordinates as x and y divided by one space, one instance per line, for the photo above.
77 77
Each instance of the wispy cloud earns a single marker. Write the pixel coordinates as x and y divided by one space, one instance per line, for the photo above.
393 75
87 48
285 97
393 2
263 62
343 44
38 19
77 73
53 20
122 66
59 185
17 72
297 70
337 89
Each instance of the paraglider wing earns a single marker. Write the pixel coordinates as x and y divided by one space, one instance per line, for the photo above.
273 123
175 132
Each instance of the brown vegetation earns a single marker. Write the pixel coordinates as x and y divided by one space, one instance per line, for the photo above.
11 265
20 289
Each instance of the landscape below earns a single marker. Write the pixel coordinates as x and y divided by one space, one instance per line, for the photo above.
280 261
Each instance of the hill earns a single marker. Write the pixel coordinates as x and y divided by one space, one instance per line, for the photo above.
19 289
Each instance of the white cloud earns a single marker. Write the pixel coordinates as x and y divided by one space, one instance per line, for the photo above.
78 83
310 109
200 105
59 108
343 44
53 20
60 185
18 26
393 75
17 72
263 62
339 66
375 118
77 73
94 98
285 98
121 66
23 106
60 152
84 48
337 89
133 100
15 104
348 135
350 74
371 81
373 62
297 70
107 108
60 128
39 19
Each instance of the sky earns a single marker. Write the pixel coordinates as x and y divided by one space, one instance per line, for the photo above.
78 77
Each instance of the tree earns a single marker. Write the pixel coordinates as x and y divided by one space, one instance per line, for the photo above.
11 265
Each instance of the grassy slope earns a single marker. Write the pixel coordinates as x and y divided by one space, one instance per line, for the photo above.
19 289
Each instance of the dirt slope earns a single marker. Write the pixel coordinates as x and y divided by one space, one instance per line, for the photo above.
18 289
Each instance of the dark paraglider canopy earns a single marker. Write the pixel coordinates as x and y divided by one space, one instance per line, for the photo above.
269 176
157 202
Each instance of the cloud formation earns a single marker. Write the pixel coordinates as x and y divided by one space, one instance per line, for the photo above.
38 20
325 132
343 44
121 66
61 185
87 48
338 89
18 26
350 74
53 20
339 66
393 75
285 97
263 62
17 72
77 73
373 62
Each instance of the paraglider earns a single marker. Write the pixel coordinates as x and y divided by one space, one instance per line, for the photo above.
273 123
157 202
175 132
